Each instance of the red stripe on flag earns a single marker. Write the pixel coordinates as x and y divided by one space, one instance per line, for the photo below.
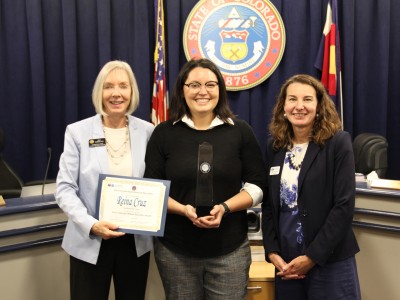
329 76
159 111
328 56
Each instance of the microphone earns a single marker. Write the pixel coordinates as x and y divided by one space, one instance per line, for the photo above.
47 169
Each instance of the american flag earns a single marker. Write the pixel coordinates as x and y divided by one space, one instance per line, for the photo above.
160 105
328 57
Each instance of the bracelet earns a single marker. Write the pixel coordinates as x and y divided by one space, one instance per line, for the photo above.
226 208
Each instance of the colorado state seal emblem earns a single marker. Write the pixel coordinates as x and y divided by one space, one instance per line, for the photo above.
244 38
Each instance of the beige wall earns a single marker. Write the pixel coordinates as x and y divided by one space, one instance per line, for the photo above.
378 261
42 273
35 274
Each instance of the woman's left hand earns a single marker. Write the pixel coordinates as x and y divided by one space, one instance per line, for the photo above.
213 220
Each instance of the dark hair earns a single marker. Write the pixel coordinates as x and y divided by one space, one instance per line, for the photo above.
326 124
179 108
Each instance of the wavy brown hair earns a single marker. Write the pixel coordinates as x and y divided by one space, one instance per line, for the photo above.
326 124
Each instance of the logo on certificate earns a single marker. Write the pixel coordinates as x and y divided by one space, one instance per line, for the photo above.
244 38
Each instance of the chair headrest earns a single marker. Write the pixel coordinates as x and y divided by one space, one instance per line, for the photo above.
370 153
364 141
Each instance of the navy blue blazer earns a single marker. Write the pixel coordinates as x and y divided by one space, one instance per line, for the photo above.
326 198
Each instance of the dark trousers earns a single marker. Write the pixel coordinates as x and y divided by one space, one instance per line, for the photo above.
117 260
338 280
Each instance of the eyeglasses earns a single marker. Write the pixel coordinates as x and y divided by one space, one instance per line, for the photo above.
196 86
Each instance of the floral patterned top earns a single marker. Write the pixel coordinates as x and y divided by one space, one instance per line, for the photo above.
291 232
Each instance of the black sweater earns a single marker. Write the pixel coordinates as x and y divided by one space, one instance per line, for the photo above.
172 154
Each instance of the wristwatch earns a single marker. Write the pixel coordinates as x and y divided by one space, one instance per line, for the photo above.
226 207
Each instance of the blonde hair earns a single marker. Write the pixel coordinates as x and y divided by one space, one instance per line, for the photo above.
97 93
326 123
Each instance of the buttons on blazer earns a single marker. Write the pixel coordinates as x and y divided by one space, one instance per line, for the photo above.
303 213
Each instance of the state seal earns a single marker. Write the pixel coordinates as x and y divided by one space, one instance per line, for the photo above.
244 38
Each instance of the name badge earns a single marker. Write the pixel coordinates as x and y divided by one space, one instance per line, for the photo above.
274 170
101 142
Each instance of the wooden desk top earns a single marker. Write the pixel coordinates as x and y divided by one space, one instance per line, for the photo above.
261 271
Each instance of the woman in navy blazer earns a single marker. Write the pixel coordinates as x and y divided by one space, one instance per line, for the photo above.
308 211
111 142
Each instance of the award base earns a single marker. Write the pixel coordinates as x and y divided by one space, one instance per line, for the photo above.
202 211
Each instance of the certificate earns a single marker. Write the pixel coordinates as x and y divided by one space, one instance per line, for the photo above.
137 205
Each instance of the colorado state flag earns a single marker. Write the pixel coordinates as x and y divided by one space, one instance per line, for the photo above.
328 57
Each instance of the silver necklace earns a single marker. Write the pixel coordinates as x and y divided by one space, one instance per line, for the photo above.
116 155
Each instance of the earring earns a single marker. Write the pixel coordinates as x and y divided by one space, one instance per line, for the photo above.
317 116
285 116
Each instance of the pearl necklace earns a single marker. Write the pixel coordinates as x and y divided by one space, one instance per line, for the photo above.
293 158
293 163
115 153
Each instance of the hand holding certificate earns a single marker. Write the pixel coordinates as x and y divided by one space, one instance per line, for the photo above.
137 205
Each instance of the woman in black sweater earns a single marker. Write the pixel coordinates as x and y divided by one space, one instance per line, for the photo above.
205 257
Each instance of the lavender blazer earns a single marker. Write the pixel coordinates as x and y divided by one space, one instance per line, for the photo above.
77 181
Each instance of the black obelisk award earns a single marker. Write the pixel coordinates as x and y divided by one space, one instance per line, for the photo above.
204 187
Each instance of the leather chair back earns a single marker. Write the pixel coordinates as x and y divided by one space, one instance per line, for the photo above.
10 182
370 154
